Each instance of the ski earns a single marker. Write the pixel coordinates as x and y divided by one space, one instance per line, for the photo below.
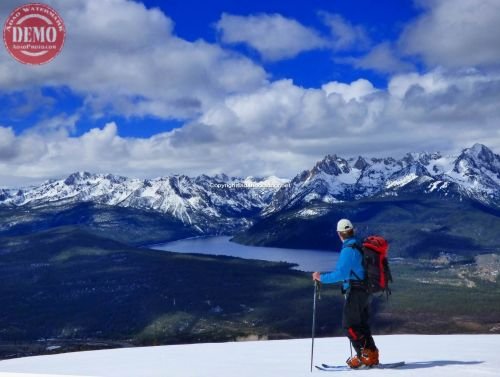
334 368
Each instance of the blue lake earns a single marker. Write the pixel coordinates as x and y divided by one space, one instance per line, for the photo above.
306 260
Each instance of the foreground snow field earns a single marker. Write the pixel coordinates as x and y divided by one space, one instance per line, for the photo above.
429 355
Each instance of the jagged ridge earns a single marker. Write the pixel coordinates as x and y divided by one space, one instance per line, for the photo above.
474 174
211 204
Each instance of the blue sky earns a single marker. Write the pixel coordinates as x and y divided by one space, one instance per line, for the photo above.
194 20
249 87
383 19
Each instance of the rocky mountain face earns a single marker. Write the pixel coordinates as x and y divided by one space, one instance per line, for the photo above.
474 174
209 204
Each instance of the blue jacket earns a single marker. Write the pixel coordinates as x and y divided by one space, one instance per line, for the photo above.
349 266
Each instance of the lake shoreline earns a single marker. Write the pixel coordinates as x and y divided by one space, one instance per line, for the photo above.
305 260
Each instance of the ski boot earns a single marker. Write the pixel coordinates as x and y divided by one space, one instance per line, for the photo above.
354 362
369 357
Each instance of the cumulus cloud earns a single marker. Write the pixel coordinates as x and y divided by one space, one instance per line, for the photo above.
272 35
382 58
362 53
455 33
125 58
276 37
461 102
354 90
344 34
7 140
281 129
63 124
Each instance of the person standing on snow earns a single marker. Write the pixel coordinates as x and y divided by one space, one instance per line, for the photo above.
356 313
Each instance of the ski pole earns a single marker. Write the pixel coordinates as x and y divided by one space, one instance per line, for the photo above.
316 295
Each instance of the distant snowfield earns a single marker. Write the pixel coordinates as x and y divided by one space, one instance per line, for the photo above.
425 355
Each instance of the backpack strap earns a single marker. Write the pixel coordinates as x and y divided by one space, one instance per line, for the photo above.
356 275
358 283
356 246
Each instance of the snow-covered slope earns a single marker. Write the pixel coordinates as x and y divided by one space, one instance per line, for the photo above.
474 174
203 201
425 355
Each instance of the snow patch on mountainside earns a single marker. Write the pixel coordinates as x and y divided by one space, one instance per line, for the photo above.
438 185
401 181
311 212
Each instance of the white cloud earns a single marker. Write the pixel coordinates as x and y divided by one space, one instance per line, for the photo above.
63 124
431 82
455 103
345 35
122 56
381 58
272 35
7 141
455 34
280 129
355 90
276 37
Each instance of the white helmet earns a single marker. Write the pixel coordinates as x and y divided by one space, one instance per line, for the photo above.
344 225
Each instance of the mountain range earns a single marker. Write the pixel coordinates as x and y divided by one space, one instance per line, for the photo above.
436 185
474 174
207 205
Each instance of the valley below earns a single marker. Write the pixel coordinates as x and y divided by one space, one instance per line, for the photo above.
67 290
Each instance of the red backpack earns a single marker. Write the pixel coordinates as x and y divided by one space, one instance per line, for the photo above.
377 273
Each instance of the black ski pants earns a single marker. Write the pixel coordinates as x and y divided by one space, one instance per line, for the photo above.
356 318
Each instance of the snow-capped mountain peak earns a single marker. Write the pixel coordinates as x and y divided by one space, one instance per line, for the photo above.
478 159
332 165
361 163
218 203
475 174
477 170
